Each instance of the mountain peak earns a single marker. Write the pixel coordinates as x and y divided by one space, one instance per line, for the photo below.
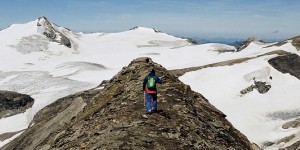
114 117
52 31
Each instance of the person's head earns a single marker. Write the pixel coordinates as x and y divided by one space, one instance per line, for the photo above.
152 71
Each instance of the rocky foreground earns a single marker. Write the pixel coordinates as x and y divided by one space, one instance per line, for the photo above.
113 117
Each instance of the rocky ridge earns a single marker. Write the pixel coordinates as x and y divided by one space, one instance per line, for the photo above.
12 103
113 117
48 29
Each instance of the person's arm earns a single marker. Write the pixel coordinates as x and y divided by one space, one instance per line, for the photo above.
158 80
144 83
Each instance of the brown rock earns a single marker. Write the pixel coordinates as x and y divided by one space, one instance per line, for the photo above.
185 121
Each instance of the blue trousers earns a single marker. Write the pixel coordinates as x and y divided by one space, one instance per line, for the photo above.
153 106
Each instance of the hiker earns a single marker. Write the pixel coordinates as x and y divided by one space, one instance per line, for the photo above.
149 86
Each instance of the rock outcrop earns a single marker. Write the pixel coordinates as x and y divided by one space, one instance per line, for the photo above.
246 43
287 64
292 124
114 117
52 33
296 42
260 86
12 103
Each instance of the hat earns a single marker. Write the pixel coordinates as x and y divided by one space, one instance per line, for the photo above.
152 71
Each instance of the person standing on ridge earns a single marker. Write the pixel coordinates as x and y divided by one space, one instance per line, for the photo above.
149 86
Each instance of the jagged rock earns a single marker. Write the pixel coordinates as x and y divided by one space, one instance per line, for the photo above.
291 124
156 30
192 41
51 32
289 63
294 146
247 90
185 120
12 103
261 87
286 139
65 41
267 144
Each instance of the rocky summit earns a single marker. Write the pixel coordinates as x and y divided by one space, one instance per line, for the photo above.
113 117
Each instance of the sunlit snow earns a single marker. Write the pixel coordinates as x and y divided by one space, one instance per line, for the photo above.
46 70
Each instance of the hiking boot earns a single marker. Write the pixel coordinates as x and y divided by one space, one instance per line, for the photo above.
149 113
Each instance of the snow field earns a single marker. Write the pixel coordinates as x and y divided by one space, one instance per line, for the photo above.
47 71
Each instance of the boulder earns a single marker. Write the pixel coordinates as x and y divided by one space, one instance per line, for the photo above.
12 103
289 63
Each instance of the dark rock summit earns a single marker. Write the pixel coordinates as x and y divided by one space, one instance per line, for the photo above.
52 33
287 64
114 117
12 103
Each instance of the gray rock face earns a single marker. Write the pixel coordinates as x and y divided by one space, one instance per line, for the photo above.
65 41
291 124
114 118
12 103
52 33
287 64
261 87
294 146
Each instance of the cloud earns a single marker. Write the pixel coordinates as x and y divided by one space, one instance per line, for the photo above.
275 32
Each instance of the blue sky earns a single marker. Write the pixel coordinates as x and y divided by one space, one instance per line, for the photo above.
268 19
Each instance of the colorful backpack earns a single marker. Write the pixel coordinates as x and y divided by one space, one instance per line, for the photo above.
151 82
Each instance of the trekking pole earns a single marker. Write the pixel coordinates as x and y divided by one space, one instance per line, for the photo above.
144 99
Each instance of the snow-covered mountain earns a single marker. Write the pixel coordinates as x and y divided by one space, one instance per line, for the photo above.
48 62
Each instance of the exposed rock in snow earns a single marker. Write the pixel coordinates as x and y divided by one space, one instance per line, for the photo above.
261 87
296 42
12 103
287 64
292 124
248 42
52 32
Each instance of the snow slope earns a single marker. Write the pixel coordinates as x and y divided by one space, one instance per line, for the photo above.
46 70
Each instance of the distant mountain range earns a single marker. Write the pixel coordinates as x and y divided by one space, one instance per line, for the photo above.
229 41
